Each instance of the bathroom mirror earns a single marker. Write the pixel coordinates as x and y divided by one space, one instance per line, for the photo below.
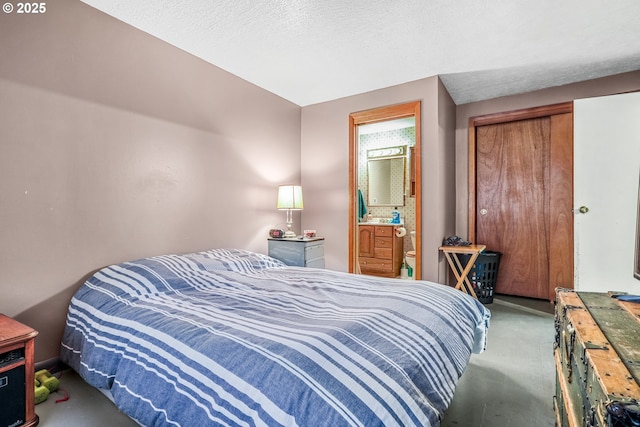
385 143
386 177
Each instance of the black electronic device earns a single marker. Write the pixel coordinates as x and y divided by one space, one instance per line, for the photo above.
11 356
276 233
12 392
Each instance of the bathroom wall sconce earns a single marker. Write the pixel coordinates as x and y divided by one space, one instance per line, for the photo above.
290 199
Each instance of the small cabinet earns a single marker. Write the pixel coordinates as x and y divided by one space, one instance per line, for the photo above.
366 241
380 252
298 252
17 374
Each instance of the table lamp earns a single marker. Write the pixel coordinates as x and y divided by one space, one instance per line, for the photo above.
290 199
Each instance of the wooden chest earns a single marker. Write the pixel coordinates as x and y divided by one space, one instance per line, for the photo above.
597 355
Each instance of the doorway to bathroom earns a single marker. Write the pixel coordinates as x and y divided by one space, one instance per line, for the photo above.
385 191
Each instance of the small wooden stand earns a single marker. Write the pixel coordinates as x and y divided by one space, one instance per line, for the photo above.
459 271
17 349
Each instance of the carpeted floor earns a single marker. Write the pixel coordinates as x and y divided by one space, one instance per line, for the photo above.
512 383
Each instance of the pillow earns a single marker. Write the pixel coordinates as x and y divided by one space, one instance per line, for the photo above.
234 260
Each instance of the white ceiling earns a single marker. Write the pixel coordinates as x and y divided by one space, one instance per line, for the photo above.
311 51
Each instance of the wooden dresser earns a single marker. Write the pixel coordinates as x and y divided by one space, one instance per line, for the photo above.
380 250
597 355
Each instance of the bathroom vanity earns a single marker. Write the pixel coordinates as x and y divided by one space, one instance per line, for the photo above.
380 251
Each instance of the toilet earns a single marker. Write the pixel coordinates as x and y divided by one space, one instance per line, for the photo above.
411 255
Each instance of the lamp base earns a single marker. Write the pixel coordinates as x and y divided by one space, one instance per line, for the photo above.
290 235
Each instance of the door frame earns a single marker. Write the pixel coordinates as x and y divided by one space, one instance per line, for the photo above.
374 115
505 117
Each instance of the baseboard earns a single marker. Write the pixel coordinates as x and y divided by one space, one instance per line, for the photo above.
498 301
53 365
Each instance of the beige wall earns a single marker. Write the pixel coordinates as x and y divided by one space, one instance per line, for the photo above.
627 82
114 146
325 168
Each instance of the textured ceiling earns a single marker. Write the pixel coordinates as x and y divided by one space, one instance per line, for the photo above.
311 51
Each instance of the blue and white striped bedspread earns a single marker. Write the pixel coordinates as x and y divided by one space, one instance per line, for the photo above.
230 337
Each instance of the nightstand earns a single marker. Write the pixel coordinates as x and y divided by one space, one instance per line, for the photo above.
17 374
298 252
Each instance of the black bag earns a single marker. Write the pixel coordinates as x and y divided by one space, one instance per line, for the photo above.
623 414
455 241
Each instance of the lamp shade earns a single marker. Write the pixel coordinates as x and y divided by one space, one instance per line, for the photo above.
290 197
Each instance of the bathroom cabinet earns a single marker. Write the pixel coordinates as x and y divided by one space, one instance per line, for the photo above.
380 251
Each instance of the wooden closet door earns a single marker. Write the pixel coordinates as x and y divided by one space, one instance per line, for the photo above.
523 202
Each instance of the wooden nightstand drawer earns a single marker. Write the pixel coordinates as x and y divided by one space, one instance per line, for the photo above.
312 252
315 263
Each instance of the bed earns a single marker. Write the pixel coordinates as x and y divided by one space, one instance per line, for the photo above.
236 338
